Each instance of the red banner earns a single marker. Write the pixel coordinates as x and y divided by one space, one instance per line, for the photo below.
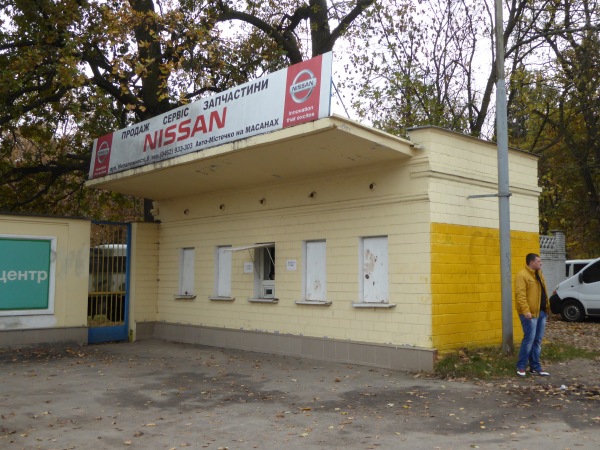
102 152
302 92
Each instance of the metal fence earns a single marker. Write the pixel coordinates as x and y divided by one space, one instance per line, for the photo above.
107 286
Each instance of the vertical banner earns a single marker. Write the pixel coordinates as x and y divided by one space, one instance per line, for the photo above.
100 163
302 97
298 94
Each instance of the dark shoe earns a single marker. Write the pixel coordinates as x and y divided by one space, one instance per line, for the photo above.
541 373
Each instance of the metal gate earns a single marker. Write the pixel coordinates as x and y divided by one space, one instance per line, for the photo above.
108 293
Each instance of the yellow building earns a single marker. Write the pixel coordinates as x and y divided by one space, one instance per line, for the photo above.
328 240
44 265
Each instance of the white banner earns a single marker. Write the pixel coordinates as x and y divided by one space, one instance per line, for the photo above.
292 96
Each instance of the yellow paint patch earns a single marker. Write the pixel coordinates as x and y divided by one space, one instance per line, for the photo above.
465 283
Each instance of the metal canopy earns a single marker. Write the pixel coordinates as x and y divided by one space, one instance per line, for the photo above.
324 146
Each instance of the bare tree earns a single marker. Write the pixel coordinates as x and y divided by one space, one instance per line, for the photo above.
437 65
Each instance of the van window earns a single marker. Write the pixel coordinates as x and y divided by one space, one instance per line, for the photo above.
577 267
574 266
592 274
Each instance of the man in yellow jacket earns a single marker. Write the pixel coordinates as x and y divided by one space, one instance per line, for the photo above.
531 299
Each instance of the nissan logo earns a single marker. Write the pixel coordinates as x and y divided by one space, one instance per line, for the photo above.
103 151
303 86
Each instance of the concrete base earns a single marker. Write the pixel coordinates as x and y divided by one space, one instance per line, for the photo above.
43 336
369 354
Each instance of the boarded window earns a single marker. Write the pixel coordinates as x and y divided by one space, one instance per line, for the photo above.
375 269
186 271
223 275
315 271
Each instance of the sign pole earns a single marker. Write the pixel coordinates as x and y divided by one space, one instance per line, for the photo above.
503 187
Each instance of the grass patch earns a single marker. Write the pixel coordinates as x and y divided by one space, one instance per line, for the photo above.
101 320
491 362
556 352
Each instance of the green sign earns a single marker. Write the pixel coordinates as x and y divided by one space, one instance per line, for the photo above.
25 273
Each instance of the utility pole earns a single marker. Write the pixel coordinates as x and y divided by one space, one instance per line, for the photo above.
503 187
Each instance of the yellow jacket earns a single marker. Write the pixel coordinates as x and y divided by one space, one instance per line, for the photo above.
528 292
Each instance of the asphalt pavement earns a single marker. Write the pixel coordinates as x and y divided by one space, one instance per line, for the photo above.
160 395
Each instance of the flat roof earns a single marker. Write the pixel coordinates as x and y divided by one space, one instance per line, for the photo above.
326 145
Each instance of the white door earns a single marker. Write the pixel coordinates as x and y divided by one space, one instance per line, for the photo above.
315 271
375 270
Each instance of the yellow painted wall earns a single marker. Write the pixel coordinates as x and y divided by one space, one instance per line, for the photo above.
72 267
143 276
343 210
443 247
465 261
465 289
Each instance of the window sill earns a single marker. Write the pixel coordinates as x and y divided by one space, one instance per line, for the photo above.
374 305
184 296
312 302
263 300
221 299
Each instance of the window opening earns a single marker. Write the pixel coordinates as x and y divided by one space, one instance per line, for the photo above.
265 272
263 261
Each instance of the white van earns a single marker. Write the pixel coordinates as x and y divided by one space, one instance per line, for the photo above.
573 266
578 296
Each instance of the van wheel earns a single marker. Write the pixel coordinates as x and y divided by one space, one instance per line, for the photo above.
572 311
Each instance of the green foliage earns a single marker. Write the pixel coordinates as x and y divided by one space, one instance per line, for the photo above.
42 171
557 111
73 70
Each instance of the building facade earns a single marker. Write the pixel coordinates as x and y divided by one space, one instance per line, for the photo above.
328 240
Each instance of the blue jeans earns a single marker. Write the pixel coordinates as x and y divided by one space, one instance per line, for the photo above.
531 345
